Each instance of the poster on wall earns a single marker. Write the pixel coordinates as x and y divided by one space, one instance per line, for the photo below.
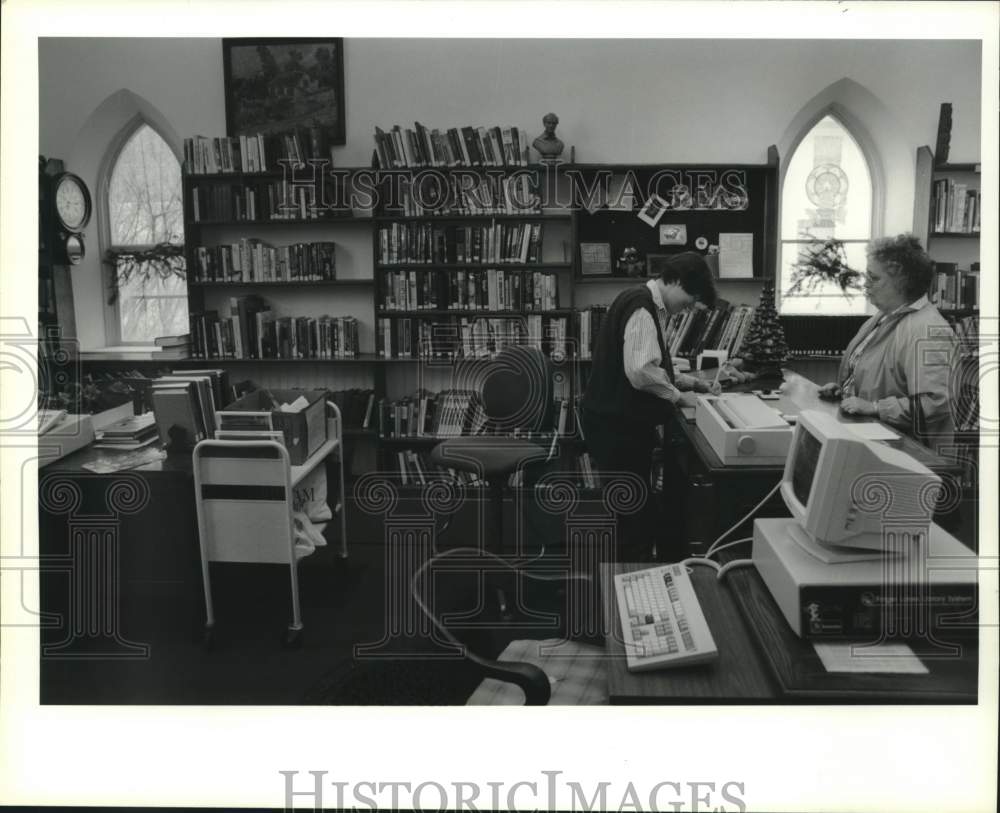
279 85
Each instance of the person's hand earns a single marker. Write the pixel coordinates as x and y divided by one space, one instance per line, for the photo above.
707 387
829 392
687 399
858 407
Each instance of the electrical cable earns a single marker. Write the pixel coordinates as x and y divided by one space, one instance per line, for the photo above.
749 514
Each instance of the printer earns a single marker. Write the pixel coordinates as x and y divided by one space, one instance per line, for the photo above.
743 430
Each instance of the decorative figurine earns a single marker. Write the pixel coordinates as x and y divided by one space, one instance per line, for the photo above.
630 264
547 145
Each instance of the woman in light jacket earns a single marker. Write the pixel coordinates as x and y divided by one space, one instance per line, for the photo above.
898 368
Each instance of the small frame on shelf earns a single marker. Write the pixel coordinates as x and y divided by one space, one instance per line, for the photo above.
595 259
274 85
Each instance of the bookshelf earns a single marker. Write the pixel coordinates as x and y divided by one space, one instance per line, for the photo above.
946 219
438 283
455 281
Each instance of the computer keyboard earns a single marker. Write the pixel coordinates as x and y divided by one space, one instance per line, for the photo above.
662 622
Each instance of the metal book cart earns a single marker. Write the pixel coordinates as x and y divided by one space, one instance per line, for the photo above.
243 495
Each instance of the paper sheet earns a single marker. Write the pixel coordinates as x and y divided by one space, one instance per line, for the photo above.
877 658
736 255
872 430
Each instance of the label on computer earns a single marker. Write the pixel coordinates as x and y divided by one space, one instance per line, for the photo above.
849 612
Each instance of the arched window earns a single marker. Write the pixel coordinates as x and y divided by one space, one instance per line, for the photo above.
827 193
143 199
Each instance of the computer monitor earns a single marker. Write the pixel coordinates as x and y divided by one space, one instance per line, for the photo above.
842 489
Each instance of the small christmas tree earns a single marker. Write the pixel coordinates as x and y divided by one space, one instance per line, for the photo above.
764 349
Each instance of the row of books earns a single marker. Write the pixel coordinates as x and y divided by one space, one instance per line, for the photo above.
253 260
452 413
424 243
489 289
956 207
252 330
259 200
724 327
248 153
452 338
489 195
185 402
452 147
132 432
954 288
688 333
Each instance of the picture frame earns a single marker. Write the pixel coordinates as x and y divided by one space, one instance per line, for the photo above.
673 234
275 85
595 260
653 209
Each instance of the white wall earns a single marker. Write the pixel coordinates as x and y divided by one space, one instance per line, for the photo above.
626 100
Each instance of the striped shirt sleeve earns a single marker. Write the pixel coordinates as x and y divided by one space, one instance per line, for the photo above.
642 358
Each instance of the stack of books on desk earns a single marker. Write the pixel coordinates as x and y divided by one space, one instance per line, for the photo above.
132 432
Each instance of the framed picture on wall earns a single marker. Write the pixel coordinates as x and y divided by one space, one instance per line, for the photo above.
276 85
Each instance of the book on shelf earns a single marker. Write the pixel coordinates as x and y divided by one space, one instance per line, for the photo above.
253 260
954 288
723 327
256 152
487 195
356 406
183 340
465 146
454 338
252 330
455 413
428 243
955 207
260 201
487 289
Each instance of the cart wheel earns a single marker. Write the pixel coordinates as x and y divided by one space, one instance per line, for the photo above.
292 638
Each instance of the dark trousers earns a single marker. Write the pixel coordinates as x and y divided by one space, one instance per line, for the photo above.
619 446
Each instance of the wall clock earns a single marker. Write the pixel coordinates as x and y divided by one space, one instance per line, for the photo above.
72 202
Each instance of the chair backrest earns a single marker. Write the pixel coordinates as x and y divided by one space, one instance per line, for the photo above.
243 495
517 392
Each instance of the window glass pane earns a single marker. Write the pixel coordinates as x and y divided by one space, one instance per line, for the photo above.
156 307
144 194
827 191
826 299
144 209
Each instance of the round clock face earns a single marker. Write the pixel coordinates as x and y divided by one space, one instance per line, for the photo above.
74 249
72 202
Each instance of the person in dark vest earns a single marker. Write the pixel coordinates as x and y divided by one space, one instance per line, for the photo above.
633 388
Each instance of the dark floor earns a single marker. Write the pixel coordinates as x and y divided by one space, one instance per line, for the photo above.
345 604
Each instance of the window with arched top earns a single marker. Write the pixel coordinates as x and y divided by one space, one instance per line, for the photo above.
143 200
827 195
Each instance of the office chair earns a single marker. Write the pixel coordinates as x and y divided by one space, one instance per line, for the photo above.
512 661
516 396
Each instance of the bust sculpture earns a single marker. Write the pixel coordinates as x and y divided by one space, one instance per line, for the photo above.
547 145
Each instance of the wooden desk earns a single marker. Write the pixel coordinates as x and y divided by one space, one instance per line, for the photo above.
738 676
722 494
762 661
